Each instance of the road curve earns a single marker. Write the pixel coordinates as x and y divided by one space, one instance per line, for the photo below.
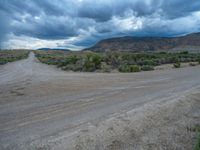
42 106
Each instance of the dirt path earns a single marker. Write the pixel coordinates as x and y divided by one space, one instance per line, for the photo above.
42 107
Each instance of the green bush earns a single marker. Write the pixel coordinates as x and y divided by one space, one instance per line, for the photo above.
177 65
92 62
135 68
184 52
147 68
3 61
148 63
124 68
12 55
129 68
88 65
197 129
105 62
197 146
72 59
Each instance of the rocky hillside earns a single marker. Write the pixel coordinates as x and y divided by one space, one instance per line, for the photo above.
190 42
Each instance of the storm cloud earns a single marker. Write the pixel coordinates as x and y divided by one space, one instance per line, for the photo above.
81 23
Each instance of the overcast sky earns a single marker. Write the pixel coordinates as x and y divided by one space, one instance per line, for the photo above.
76 24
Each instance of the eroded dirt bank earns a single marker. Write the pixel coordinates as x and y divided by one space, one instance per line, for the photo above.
42 107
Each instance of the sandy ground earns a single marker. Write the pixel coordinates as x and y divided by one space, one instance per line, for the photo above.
42 107
171 66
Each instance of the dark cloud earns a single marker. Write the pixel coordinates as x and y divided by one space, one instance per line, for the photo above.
46 28
95 10
179 8
104 10
90 20
4 28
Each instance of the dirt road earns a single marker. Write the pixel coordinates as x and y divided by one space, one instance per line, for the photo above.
42 107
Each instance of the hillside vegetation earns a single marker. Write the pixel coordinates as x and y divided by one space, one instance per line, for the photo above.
12 55
106 62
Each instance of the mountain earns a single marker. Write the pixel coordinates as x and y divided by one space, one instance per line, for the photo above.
49 49
190 42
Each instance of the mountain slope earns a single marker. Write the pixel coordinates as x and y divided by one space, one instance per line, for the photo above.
50 49
190 42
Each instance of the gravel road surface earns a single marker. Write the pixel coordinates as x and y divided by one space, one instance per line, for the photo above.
42 107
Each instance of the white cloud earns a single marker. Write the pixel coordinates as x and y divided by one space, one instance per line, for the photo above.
127 24
25 42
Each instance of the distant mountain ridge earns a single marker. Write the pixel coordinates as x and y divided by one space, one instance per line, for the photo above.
49 49
190 42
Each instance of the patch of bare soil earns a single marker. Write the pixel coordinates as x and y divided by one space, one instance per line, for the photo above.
153 127
170 66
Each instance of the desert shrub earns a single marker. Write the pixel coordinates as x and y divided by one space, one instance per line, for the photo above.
69 61
114 59
68 67
146 62
196 129
12 55
192 64
3 61
173 59
124 68
72 67
157 62
184 52
105 67
197 146
61 64
134 68
147 68
105 62
77 67
129 68
163 53
96 59
92 62
177 65
72 59
89 66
